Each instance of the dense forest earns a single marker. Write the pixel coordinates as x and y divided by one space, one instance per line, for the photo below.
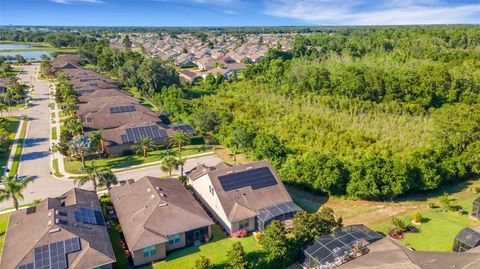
365 113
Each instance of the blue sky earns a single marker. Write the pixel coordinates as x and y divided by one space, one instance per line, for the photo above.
237 12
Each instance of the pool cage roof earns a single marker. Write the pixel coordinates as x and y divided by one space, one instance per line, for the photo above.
332 250
265 215
466 239
476 208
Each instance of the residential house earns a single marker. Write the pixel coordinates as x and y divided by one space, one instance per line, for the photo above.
158 216
247 196
63 232
187 76
184 61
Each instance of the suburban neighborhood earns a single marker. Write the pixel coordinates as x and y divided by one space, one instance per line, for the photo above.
230 134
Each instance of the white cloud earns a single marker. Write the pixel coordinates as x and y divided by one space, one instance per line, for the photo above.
202 2
65 2
383 12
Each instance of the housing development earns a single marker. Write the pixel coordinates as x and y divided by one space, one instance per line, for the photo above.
239 134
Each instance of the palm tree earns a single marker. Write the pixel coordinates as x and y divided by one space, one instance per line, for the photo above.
106 178
73 126
3 108
97 141
91 174
144 145
12 188
181 163
183 180
179 140
80 146
168 164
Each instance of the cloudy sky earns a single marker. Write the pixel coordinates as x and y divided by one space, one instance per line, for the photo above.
237 12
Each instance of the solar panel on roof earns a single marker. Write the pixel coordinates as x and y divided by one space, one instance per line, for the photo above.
122 109
255 178
134 134
26 266
89 216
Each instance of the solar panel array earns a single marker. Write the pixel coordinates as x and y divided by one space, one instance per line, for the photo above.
255 178
185 128
122 109
89 216
134 134
53 256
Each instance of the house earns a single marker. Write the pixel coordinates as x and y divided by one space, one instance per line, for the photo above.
65 62
63 232
216 72
188 76
247 196
356 246
3 85
158 216
184 61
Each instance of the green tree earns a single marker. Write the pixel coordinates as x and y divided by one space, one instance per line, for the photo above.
269 147
91 175
203 263
179 140
13 188
106 178
80 146
206 121
236 257
274 243
169 163
144 145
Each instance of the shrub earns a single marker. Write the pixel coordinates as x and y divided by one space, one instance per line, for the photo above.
258 236
399 224
417 217
477 189
445 201
239 233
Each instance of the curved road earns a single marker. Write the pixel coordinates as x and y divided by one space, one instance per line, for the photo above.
36 158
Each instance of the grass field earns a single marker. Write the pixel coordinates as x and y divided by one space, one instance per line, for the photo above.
3 229
18 150
214 250
437 234
75 167
12 129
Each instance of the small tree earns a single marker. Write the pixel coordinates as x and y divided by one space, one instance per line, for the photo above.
274 243
203 263
144 145
168 164
13 188
417 217
399 224
106 178
179 140
80 146
445 201
236 257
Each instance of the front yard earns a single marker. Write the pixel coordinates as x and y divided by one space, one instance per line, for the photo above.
75 167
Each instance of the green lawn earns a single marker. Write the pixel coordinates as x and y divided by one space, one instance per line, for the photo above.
18 150
436 234
54 132
75 167
3 229
214 250
12 129
55 168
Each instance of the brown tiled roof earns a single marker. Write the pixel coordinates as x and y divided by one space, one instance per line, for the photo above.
113 136
88 95
151 209
38 226
104 103
243 202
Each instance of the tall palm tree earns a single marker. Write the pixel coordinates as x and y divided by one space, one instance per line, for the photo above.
144 145
91 174
12 188
80 146
168 164
106 178
97 141
73 126
181 162
179 140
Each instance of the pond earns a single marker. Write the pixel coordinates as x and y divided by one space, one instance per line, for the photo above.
6 50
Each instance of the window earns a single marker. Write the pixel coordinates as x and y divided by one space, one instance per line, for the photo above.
243 224
149 251
173 239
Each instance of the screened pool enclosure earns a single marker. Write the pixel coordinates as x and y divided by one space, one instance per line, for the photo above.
281 212
476 208
332 250
465 240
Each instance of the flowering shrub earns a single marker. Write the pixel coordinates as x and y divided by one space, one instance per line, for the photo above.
239 233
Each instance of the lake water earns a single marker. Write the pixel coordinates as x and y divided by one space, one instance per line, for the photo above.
29 55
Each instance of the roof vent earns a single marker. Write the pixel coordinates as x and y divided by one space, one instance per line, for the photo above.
152 196
49 222
163 205
163 194
158 188
230 172
49 213
148 190
54 230
250 167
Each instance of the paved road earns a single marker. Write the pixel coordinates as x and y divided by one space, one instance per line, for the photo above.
36 158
